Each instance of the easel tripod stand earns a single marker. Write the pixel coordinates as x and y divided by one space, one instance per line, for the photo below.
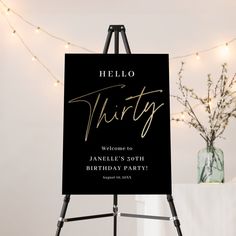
117 29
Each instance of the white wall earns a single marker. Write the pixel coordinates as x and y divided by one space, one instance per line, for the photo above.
31 107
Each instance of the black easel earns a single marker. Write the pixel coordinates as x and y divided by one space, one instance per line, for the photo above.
117 29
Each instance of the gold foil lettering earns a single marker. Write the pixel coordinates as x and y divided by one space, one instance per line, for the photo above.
118 113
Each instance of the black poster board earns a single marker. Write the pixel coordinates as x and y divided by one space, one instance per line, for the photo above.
116 124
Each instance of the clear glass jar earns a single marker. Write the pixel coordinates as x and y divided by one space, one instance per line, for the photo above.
210 165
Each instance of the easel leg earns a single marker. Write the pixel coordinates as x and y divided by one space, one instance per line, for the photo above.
116 45
125 40
62 215
115 211
174 214
108 40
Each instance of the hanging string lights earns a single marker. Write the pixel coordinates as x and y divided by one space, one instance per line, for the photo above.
68 44
6 12
33 56
41 29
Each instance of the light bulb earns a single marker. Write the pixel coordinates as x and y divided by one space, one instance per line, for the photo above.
225 50
37 29
67 45
197 56
34 58
56 83
211 103
227 47
8 11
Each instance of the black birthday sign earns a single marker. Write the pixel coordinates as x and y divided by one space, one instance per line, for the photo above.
116 124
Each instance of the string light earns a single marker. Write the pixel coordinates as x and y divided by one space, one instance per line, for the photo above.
224 45
44 30
89 50
227 46
197 56
182 115
8 11
67 45
57 83
210 104
225 50
33 57
37 30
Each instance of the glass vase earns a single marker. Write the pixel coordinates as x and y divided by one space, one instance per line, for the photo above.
210 165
